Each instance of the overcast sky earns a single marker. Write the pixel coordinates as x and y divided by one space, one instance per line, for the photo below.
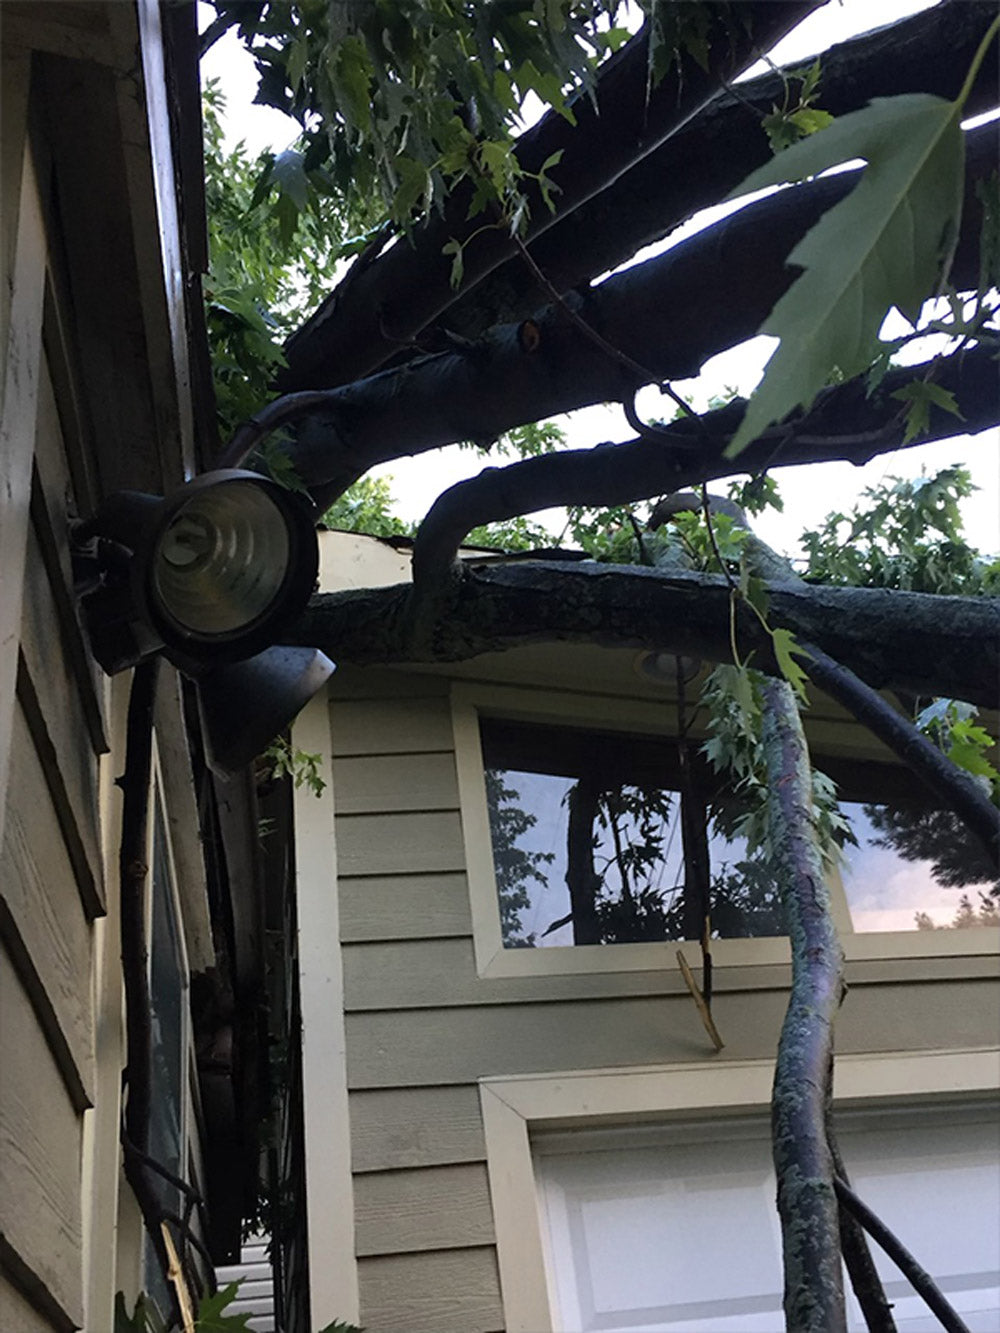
809 493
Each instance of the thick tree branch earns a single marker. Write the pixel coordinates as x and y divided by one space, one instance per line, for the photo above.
807 1203
897 640
921 1281
865 1281
844 424
506 380
926 52
385 306
950 784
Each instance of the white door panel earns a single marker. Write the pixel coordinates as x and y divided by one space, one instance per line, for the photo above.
680 1234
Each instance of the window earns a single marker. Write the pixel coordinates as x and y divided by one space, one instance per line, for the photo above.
603 838
579 823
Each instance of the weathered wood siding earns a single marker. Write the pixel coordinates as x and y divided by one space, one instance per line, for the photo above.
51 890
422 1027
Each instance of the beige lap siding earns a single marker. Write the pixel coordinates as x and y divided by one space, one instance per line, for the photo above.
422 1028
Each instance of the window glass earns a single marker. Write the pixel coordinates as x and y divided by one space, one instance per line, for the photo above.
593 842
915 868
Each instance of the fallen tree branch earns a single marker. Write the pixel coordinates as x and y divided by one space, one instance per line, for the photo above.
803 1163
918 1277
865 1281
927 52
953 786
382 307
844 424
505 380
897 640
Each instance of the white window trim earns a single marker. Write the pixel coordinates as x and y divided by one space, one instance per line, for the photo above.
468 701
515 1107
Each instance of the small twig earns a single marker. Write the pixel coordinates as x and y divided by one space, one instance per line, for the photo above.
699 1001
645 375
191 1239
920 1280
175 1276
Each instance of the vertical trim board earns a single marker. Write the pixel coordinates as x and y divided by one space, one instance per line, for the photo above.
333 1272
22 358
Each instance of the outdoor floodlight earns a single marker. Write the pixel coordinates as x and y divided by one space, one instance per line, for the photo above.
209 576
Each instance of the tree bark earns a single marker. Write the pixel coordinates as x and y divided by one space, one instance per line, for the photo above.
845 423
382 307
894 640
928 52
507 379
807 1202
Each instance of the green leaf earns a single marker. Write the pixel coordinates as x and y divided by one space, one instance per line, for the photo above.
880 247
785 651
414 183
288 173
454 248
211 1313
919 395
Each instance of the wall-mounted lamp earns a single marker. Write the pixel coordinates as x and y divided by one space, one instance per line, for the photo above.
209 576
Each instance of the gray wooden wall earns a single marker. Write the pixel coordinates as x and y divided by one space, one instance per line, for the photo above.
422 1028
51 890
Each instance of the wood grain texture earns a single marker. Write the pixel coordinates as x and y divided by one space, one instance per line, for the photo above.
40 1216
63 768
382 783
413 1048
17 1314
420 1047
387 907
415 1127
451 1291
431 1208
440 973
38 891
390 726
399 844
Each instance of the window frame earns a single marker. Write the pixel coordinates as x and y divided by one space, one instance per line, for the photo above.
524 704
186 1118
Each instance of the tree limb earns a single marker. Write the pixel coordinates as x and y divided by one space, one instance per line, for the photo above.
895 640
917 1276
844 424
382 308
505 380
952 785
865 1281
807 1203
927 52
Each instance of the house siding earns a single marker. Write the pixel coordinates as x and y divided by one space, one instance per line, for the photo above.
421 1028
51 889
85 318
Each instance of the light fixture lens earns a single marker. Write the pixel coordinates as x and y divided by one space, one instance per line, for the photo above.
222 561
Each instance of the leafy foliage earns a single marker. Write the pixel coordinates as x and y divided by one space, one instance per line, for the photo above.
272 254
366 506
403 101
211 1316
986 913
795 119
903 534
885 245
516 867
285 760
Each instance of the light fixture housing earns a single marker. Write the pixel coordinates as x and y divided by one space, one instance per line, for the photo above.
213 572
210 577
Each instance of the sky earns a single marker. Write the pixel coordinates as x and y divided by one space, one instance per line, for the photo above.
809 493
